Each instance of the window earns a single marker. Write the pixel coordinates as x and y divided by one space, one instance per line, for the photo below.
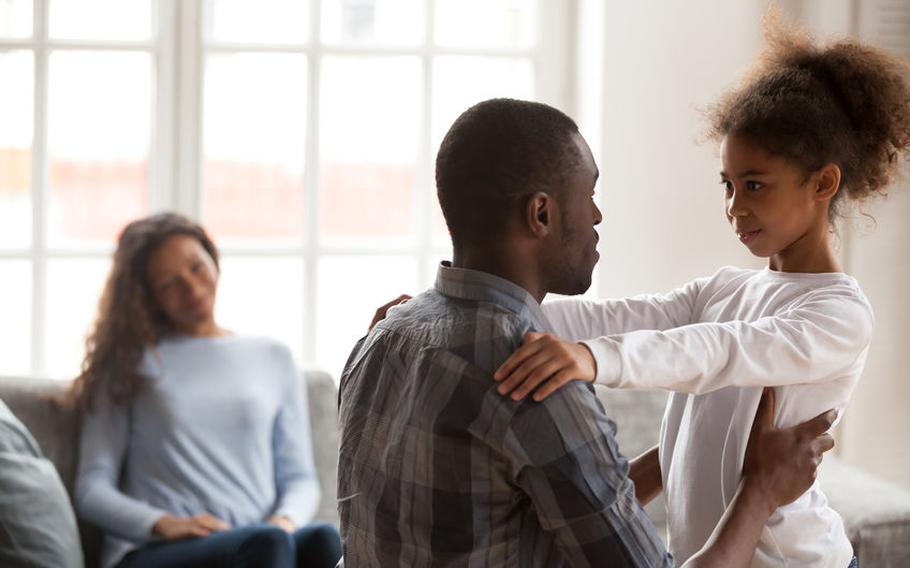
301 134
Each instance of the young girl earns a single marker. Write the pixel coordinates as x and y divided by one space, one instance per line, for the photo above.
810 128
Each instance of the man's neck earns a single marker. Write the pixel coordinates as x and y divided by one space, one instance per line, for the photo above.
506 264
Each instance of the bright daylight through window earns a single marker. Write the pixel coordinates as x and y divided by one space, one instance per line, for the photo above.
301 133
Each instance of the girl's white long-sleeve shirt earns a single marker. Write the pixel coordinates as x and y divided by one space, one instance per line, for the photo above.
716 342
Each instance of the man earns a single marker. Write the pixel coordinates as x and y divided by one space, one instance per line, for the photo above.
435 467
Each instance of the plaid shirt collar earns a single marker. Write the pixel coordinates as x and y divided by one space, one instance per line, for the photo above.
467 284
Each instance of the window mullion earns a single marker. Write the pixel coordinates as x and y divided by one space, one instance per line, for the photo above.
39 189
425 177
164 146
311 187
186 196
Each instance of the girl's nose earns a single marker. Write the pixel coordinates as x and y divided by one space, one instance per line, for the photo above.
735 206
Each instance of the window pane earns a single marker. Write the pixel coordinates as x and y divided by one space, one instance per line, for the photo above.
486 23
73 289
369 129
462 81
101 19
99 125
350 290
15 18
16 68
383 22
263 296
16 307
254 138
263 21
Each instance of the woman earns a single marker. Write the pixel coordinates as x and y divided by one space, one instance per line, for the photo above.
195 445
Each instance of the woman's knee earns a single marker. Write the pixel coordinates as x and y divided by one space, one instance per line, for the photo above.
271 546
318 544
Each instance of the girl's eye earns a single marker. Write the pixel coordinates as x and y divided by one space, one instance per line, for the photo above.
754 185
728 186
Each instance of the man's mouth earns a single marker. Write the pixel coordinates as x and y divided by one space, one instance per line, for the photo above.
747 237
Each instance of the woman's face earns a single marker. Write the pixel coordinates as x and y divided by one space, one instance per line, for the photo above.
183 280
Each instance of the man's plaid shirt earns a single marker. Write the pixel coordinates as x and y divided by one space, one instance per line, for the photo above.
437 469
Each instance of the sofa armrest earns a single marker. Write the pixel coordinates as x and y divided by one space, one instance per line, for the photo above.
322 395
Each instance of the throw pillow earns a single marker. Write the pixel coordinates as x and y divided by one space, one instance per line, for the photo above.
37 523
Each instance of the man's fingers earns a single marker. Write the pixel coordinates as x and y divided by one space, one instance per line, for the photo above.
538 375
818 425
764 416
823 443
551 386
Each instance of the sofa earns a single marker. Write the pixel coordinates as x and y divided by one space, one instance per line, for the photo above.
56 429
876 513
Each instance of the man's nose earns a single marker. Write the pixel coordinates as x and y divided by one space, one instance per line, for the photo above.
598 216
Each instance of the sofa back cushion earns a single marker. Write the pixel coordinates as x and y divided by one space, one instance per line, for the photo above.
37 524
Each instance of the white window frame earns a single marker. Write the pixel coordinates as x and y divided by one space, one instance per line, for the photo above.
175 160
39 253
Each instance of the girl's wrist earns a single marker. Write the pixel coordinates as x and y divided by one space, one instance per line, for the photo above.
587 363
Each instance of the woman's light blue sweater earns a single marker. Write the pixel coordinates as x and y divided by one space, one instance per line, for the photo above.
221 427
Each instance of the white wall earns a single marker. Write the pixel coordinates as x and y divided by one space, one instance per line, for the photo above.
876 430
663 215
664 224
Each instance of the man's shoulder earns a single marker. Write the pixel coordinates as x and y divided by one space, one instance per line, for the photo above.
574 405
431 308
457 325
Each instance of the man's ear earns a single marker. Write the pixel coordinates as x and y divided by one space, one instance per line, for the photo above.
540 212
828 182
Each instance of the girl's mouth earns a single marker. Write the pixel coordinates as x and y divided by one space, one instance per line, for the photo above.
747 237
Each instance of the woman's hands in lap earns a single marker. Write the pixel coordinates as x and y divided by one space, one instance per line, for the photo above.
170 527
283 523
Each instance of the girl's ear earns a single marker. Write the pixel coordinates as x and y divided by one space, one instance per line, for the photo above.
828 182
539 214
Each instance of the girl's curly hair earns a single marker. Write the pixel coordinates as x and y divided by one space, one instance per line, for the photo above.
847 103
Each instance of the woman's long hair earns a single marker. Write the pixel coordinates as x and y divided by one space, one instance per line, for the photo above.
129 320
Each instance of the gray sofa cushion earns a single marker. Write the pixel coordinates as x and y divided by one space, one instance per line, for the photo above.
37 524
876 514
638 415
323 402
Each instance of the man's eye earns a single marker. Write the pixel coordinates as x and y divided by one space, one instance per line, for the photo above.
754 185
728 186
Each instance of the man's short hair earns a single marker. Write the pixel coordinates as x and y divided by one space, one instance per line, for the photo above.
498 151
